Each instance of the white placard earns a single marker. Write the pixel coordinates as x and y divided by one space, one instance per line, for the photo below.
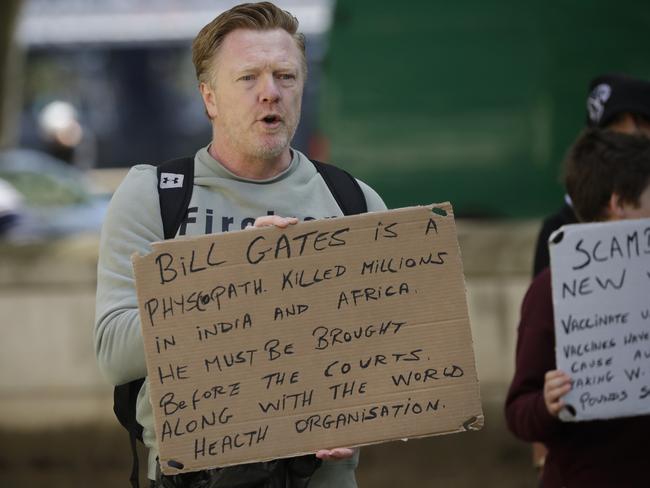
601 300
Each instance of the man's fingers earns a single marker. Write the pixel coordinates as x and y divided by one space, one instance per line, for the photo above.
335 454
276 220
324 454
556 379
554 374
554 408
553 404
554 394
342 453
556 384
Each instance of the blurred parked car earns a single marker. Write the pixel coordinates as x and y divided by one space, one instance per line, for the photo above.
57 199
10 206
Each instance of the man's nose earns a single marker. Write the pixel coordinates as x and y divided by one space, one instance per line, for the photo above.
269 92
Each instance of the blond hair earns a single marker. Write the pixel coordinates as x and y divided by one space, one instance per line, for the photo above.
255 16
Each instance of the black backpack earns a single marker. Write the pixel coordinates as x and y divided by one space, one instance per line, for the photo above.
177 177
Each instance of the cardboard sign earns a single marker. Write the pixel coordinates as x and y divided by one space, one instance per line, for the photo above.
601 298
270 343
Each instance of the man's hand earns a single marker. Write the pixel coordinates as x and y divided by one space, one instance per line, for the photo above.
269 220
335 454
556 384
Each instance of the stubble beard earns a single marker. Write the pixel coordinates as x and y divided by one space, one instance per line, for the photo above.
270 149
251 141
266 146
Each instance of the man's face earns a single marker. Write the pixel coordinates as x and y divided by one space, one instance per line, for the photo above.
255 95
628 123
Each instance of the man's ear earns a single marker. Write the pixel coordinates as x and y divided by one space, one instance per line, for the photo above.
209 101
615 208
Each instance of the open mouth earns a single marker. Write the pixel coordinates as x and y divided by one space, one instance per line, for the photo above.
271 119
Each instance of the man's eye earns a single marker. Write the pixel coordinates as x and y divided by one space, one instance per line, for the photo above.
287 76
247 78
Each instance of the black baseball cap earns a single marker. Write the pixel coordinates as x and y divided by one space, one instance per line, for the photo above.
612 94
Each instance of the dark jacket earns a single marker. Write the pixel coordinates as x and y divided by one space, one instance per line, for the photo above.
593 454
564 216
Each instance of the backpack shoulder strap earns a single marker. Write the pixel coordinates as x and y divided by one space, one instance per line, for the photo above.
124 401
175 185
344 188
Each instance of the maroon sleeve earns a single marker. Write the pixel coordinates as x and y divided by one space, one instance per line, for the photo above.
526 414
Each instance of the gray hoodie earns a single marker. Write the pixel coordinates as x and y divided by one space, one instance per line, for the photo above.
221 202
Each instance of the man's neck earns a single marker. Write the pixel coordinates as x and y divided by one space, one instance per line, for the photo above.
252 168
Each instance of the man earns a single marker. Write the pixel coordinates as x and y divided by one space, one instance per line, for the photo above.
608 178
251 67
615 102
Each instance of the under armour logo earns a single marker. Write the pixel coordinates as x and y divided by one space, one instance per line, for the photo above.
597 100
171 180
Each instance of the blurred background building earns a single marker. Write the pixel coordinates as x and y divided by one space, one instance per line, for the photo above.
126 68
427 101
